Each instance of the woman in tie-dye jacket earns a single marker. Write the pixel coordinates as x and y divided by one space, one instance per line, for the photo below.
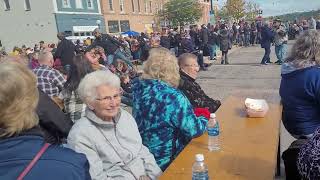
164 115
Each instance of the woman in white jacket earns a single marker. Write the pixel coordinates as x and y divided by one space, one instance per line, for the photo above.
108 135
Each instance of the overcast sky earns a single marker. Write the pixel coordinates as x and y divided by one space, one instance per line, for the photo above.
276 7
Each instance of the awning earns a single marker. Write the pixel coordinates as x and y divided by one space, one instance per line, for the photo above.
84 28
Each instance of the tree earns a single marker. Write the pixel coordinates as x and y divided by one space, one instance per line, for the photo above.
236 8
251 10
223 14
181 12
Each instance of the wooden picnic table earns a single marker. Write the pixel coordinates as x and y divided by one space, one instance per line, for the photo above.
249 146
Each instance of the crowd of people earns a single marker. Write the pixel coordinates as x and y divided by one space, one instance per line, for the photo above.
62 112
63 97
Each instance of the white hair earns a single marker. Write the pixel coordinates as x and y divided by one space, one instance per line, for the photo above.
87 89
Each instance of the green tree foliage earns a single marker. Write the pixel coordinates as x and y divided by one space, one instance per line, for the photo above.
223 14
299 15
251 10
181 12
236 8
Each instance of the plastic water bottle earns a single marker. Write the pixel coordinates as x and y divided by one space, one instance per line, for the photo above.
213 133
199 169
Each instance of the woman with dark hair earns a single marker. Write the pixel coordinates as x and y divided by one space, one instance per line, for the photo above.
72 103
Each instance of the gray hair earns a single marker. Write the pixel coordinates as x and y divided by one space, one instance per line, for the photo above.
306 48
184 57
88 85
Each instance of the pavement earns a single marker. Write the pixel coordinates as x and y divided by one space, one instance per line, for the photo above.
245 74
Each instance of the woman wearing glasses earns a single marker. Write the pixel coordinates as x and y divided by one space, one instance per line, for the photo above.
108 135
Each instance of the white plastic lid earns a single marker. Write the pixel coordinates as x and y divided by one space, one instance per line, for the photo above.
199 157
213 115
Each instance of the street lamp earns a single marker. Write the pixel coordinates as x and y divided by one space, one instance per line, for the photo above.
98 23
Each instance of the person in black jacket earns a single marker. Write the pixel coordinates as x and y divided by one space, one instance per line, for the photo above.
65 51
213 42
53 122
111 47
189 69
165 40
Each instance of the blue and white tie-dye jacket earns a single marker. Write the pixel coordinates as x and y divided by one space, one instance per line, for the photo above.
165 119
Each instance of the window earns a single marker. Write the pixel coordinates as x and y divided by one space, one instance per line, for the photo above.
150 6
145 6
132 2
121 2
27 5
113 26
66 3
139 6
125 26
7 5
110 5
79 4
90 4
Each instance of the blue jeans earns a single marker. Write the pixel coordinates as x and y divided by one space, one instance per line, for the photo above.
174 51
266 57
118 55
247 40
281 51
136 55
212 50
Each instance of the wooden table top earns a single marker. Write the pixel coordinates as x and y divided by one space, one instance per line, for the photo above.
248 146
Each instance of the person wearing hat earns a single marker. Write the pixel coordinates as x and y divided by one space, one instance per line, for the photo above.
280 40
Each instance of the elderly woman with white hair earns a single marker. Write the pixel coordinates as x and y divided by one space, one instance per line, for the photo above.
108 135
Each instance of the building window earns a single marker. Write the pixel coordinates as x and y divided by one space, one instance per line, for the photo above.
121 2
113 26
145 6
111 5
150 6
132 2
79 4
66 3
27 5
7 5
125 26
139 10
90 4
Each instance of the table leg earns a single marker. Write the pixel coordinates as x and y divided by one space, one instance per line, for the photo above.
278 173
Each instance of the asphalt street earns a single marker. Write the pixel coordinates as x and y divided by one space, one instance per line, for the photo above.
247 76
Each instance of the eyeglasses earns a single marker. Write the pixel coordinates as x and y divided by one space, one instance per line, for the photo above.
108 99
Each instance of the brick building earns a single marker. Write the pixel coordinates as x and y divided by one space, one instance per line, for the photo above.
137 15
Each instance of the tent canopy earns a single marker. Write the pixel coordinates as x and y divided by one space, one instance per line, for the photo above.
131 33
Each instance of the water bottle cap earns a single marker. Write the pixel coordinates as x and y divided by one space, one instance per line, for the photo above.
199 157
213 115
